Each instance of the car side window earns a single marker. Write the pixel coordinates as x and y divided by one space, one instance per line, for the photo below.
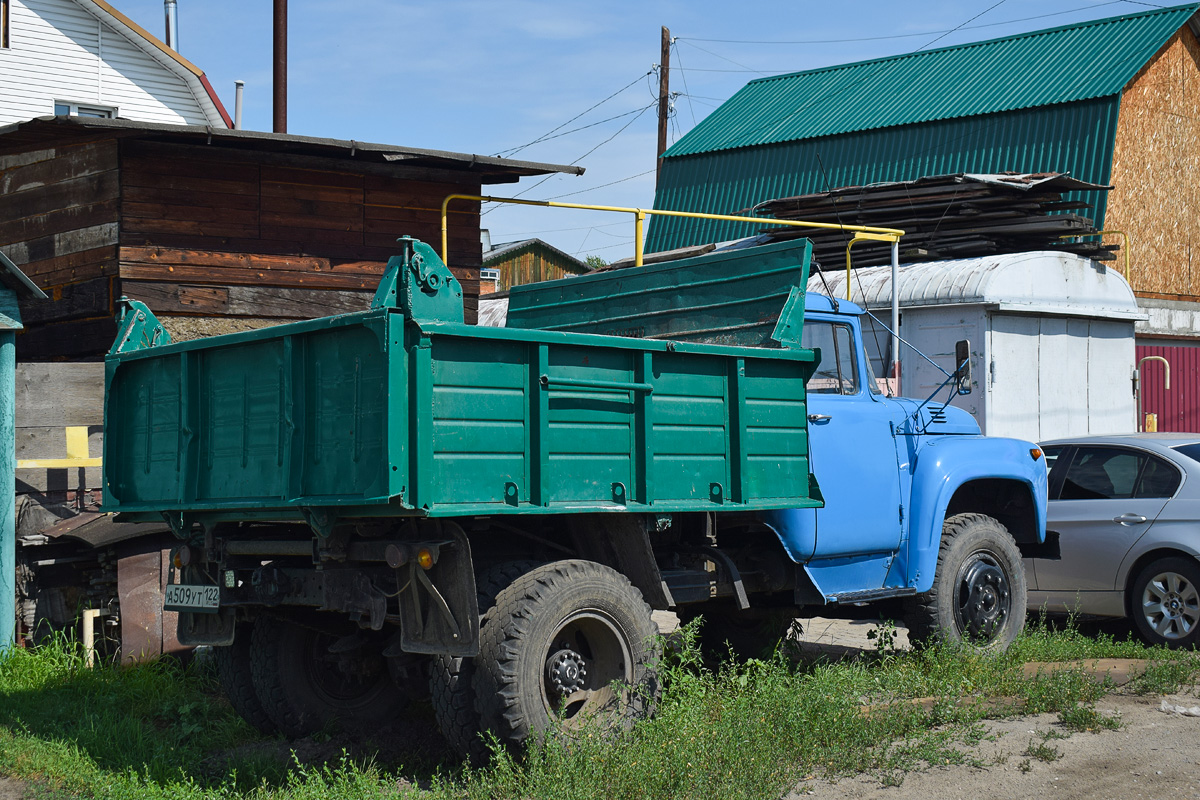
838 371
1102 473
1159 479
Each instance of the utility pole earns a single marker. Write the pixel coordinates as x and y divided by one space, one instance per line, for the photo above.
664 96
280 84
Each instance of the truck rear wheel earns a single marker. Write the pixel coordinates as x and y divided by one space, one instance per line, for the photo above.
552 647
978 593
450 678
309 672
233 673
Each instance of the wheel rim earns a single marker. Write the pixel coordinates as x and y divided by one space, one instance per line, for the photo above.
1171 605
984 600
342 680
586 655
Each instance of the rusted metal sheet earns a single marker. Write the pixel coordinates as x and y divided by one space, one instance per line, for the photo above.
1178 408
139 587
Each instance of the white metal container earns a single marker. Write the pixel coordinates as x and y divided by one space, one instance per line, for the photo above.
1052 341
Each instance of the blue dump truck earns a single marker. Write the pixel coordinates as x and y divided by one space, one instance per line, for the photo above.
375 505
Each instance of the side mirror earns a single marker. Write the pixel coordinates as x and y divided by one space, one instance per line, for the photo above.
962 371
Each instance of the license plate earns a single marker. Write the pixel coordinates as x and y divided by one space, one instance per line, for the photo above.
195 598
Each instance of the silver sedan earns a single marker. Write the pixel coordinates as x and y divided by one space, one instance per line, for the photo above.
1125 512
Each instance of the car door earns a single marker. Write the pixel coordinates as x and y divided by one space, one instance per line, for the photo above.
853 450
1107 499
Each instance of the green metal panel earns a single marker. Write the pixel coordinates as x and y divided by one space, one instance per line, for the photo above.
727 297
381 414
1071 137
1071 63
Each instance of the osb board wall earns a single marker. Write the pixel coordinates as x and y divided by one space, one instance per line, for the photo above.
528 267
1156 172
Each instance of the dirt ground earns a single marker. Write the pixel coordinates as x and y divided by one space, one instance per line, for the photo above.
1155 754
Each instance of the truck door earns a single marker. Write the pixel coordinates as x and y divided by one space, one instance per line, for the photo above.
853 448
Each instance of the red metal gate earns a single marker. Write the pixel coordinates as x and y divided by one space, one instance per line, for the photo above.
1178 408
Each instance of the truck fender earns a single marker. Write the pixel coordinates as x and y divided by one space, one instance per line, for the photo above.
943 466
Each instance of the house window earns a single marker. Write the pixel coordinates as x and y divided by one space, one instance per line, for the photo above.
4 23
63 108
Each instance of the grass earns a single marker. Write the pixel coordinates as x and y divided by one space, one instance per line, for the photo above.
751 730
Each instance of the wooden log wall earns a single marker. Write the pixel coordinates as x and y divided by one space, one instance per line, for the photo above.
1156 158
213 232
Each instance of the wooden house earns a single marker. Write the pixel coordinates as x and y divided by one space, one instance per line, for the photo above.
86 58
219 230
530 261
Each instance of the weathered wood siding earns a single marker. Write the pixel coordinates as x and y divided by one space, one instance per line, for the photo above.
212 232
58 219
1156 160
60 52
530 266
208 231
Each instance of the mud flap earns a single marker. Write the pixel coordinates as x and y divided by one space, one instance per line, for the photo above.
439 612
211 629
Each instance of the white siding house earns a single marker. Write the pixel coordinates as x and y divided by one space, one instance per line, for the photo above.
85 57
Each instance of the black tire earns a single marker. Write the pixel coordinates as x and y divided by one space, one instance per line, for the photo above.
233 673
1164 602
450 679
554 643
979 592
303 688
754 633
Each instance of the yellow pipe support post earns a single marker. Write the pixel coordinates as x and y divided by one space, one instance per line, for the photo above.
865 237
639 214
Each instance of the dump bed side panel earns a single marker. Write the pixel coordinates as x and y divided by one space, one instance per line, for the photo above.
381 415
543 421
252 421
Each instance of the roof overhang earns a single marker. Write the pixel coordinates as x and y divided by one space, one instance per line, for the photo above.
48 131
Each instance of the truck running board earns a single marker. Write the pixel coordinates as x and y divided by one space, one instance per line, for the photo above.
870 595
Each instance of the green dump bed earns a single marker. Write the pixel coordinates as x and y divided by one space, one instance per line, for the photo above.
404 410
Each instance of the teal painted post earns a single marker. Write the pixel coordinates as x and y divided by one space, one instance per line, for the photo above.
8 489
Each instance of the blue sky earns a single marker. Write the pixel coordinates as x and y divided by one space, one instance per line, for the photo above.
490 77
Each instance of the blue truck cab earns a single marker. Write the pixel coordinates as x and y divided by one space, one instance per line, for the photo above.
902 480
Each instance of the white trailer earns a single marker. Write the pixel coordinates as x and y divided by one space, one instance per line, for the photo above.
1052 341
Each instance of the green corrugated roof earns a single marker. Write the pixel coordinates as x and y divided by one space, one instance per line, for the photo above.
1059 65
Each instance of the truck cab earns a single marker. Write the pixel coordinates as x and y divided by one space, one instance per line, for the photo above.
894 472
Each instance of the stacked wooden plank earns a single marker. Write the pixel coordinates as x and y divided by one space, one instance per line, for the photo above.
948 217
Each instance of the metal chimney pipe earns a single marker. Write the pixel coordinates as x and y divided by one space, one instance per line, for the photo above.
237 104
172 24
280 82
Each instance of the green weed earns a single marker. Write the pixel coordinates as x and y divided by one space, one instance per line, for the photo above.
741 730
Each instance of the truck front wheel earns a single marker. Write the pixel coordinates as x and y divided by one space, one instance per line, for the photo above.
567 643
311 671
978 592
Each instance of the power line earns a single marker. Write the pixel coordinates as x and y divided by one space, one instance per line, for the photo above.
513 151
585 155
603 185
915 35
683 76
